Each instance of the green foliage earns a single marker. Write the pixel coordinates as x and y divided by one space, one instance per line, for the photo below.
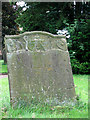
84 68
9 26
44 16
79 45
54 16
79 68
79 39
50 17
75 66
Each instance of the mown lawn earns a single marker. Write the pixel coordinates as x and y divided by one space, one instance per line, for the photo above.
3 67
80 110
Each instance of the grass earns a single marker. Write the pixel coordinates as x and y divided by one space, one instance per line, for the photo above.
80 110
3 67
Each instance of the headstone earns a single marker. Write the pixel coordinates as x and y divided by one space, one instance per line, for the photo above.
39 68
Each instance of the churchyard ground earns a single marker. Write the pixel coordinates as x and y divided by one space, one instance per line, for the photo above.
80 110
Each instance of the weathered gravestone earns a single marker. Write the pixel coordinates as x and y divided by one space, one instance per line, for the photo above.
39 68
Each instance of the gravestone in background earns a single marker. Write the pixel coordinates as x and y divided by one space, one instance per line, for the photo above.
39 68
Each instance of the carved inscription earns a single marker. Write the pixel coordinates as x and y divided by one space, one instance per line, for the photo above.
36 43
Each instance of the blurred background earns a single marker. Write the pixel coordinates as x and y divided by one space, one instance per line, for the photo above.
63 18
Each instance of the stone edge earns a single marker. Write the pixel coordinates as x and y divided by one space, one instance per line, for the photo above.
35 32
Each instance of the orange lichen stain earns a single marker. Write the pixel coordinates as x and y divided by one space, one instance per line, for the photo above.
49 69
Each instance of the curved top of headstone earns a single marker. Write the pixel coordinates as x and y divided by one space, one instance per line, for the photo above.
34 32
35 41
